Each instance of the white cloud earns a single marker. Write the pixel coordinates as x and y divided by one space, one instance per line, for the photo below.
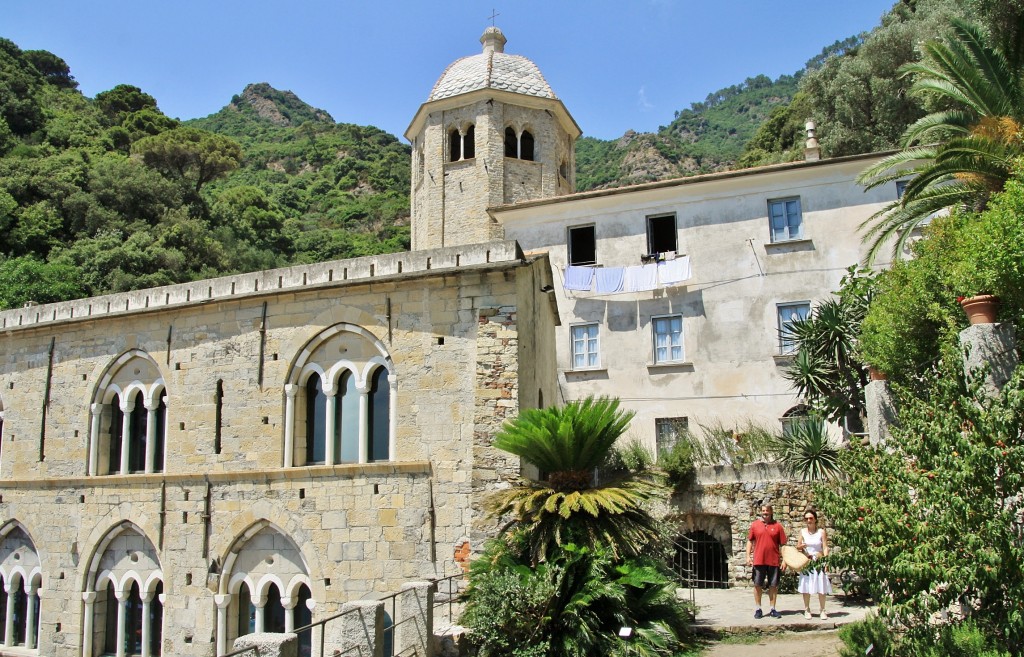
641 100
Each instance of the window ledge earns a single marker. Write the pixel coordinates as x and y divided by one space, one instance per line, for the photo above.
587 370
784 359
681 366
789 246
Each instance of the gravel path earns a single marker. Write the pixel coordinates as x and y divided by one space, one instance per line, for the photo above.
789 644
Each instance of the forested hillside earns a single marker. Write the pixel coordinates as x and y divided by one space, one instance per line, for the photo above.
109 194
852 89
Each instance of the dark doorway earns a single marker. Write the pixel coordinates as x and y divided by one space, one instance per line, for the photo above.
701 562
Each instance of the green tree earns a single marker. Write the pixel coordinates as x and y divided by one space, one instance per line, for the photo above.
568 444
931 521
964 151
28 279
192 156
122 100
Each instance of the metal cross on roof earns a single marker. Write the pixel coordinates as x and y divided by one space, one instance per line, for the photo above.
493 15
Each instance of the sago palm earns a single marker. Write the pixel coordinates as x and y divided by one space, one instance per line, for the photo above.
959 155
568 444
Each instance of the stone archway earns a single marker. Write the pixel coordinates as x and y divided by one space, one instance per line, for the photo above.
701 558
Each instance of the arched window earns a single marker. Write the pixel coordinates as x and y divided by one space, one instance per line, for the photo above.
526 146
469 143
461 144
129 418
316 421
518 146
19 596
511 142
264 587
123 596
273 611
303 617
380 396
340 400
246 611
454 145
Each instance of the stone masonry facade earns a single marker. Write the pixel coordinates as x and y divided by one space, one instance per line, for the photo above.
222 516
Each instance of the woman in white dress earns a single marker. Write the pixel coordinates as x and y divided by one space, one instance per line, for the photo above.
814 543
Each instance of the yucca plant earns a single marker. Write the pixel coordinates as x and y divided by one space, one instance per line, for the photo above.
568 444
806 451
960 154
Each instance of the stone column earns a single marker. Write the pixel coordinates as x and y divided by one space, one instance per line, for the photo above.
290 391
360 632
415 623
89 598
288 603
260 603
151 435
331 394
880 406
9 620
222 601
393 418
993 345
94 438
121 596
364 423
30 617
126 424
146 624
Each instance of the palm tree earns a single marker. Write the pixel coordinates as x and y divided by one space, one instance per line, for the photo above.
568 506
959 155
826 369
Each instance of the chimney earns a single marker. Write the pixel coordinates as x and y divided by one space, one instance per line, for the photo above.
812 152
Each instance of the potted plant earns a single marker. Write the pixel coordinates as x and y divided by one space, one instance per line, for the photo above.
980 308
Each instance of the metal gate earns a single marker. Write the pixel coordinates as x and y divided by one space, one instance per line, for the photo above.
700 561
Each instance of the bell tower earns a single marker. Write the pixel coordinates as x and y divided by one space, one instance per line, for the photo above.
491 133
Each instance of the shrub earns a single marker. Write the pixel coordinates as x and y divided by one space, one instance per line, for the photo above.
872 631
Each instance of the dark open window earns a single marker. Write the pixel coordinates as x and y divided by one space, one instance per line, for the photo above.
661 234
511 143
454 146
379 403
582 245
526 146
469 144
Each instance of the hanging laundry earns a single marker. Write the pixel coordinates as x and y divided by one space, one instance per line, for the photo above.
578 278
608 280
675 271
640 278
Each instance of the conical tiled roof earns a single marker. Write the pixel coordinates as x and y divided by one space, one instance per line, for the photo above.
492 69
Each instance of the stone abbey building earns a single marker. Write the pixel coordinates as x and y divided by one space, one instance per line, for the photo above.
185 464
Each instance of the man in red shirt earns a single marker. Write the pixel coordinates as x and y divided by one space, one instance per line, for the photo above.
766 538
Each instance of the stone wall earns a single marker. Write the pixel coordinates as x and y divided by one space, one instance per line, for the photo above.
725 501
453 330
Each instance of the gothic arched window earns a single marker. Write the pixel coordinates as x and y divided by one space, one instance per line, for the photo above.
340 400
129 418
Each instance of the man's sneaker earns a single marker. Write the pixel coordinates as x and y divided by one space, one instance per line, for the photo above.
824 616
774 614
758 614
807 614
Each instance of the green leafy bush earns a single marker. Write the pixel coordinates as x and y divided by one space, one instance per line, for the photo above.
857 637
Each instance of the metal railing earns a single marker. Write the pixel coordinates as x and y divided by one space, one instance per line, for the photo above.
701 563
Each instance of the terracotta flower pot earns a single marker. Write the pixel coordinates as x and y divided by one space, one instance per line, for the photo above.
876 374
980 309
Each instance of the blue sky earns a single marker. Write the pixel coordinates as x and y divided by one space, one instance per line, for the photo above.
617 65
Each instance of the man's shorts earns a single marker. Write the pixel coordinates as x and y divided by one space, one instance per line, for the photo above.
766 577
